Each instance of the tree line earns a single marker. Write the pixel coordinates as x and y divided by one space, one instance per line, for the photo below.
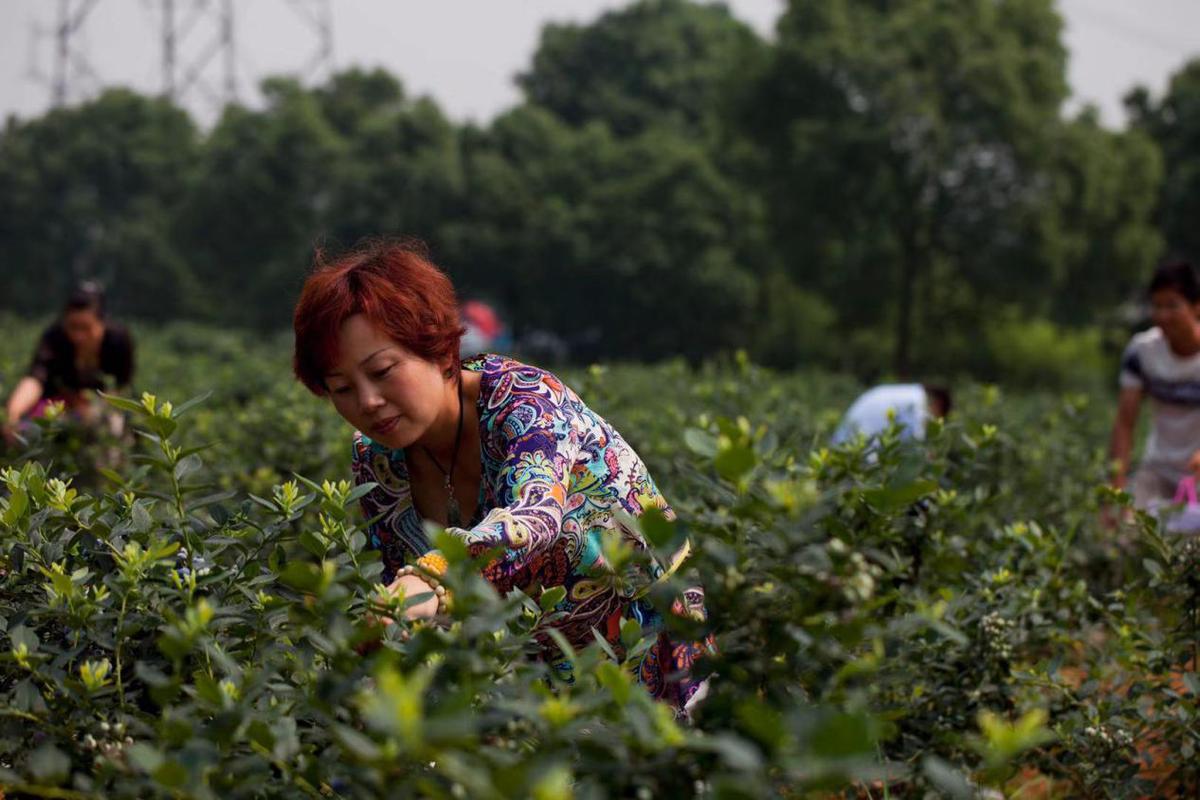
884 185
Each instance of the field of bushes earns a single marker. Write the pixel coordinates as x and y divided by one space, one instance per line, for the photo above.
182 614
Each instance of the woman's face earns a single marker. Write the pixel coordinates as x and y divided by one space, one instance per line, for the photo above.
84 328
383 389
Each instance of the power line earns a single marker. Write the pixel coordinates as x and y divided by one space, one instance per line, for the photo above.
1133 32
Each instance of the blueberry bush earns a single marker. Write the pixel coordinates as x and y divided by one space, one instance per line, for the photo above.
187 612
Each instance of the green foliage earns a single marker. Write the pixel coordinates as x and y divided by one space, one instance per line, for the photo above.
1173 121
865 192
653 63
91 191
595 216
1040 353
249 220
941 616
918 146
1104 189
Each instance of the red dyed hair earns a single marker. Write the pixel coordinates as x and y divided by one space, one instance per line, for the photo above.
395 286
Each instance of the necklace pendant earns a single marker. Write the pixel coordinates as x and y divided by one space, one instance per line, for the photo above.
453 515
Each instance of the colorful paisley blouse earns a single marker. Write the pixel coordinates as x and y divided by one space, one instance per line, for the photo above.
554 474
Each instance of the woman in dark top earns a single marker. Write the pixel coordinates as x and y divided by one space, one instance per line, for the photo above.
80 353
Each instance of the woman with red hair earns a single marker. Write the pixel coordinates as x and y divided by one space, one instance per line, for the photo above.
500 453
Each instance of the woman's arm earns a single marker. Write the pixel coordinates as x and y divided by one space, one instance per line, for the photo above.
531 492
1129 403
24 397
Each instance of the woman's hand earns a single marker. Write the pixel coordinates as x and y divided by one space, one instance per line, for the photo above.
412 586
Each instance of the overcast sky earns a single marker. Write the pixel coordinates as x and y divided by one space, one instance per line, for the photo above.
465 52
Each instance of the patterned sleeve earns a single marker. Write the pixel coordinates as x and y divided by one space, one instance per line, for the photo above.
540 445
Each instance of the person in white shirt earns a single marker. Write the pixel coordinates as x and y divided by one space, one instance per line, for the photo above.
912 404
1163 365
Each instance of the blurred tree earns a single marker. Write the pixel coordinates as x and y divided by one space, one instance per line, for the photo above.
264 185
78 185
1097 235
1174 123
644 212
878 185
517 240
900 136
620 245
402 173
355 94
654 62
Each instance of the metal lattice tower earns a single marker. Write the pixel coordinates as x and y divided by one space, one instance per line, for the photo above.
199 54
318 14
199 51
71 68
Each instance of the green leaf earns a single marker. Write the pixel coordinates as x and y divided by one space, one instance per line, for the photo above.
736 752
144 757
27 697
356 744
657 529
946 779
603 644
187 466
150 674
631 633
267 504
207 689
210 499
949 631
563 645
616 680
123 403
162 426
20 635
18 502
763 722
171 774
140 516
301 575
551 598
896 498
49 764
1003 740
188 405
260 733
450 546
840 735
1153 567
309 541
359 491
734 461
702 443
